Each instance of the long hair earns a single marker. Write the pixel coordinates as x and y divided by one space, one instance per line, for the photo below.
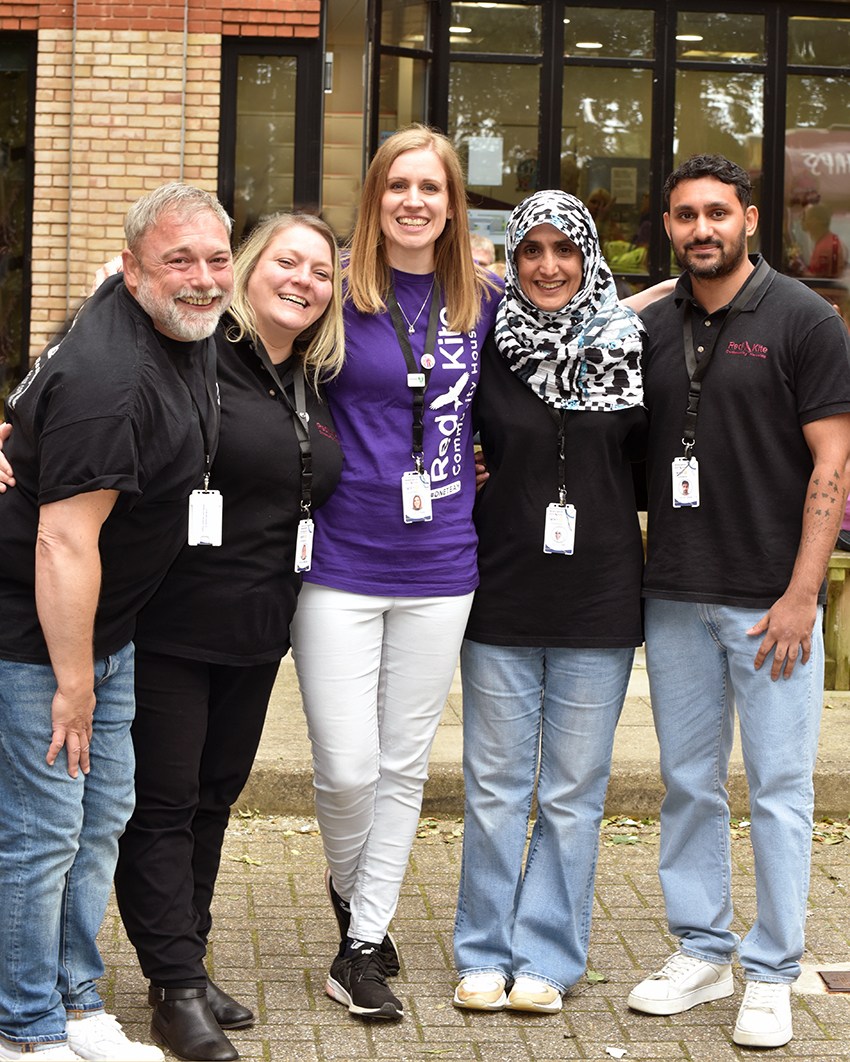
322 345
464 284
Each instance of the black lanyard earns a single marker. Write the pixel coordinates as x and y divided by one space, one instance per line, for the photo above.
209 434
415 371
301 420
560 418
697 370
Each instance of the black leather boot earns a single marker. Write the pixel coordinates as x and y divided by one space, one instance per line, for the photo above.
183 1022
229 1013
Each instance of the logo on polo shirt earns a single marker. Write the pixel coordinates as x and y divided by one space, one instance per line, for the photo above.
745 349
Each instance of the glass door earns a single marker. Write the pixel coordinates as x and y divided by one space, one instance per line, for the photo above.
271 101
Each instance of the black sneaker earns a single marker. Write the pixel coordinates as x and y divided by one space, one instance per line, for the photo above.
342 910
359 981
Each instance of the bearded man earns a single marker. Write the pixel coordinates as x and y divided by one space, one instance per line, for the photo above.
747 382
112 429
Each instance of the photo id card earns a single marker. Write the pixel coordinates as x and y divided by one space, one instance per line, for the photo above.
416 497
559 534
304 546
685 483
205 508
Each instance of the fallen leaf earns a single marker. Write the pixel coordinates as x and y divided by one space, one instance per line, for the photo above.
596 978
615 1052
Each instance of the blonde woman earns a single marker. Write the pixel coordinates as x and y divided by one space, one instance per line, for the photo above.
383 610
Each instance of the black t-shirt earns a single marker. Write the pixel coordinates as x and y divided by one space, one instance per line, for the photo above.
107 408
783 362
232 604
590 599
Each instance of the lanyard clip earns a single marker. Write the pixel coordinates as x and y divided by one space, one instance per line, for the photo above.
689 447
562 497
418 463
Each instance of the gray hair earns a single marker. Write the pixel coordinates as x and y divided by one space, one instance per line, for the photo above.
184 200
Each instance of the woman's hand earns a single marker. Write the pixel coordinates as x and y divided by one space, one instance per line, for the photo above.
481 473
108 269
6 477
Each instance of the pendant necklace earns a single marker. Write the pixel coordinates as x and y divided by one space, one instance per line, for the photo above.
411 324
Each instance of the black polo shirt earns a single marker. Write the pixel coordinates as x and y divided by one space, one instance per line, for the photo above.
114 406
781 363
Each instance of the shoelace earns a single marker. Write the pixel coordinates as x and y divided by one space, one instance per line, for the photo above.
677 967
762 995
368 965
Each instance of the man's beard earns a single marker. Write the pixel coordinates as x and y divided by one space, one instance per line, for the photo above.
178 320
727 263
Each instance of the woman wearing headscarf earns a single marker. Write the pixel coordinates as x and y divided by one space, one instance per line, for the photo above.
556 618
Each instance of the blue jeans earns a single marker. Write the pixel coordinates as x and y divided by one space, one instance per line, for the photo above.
58 847
526 709
700 665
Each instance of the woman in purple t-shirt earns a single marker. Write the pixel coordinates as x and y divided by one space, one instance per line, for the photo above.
383 610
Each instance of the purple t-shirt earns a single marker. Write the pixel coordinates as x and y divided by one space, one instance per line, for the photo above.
362 543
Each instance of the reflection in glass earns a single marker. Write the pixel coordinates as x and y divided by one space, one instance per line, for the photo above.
818 41
721 114
265 139
14 101
512 29
620 34
605 157
498 103
404 25
710 36
403 92
816 222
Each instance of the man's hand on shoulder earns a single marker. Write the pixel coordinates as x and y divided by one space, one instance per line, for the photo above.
787 628
6 477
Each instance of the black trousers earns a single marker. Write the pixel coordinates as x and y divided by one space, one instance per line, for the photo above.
195 734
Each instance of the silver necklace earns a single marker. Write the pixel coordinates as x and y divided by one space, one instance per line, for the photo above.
411 324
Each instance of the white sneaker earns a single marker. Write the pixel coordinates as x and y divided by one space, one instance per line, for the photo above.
530 994
481 992
100 1038
680 984
764 1019
55 1052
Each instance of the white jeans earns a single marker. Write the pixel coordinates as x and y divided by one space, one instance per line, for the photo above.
374 675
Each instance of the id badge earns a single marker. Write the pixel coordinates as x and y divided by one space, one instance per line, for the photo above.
559 534
304 546
416 497
685 483
205 508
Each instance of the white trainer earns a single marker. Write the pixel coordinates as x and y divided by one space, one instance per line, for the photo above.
99 1037
680 984
531 994
481 992
57 1053
764 1019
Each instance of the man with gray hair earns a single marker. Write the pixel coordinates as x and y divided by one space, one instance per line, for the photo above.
113 429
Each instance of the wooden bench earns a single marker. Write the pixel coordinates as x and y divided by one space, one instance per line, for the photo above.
836 624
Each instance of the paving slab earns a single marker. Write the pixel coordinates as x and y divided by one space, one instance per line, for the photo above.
274 937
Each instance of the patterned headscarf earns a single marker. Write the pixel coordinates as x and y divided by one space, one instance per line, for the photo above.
586 355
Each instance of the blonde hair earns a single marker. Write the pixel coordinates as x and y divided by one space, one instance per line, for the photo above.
321 347
464 284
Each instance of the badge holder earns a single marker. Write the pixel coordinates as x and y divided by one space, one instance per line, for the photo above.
685 483
205 511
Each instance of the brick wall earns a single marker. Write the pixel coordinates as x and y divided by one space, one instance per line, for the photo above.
122 136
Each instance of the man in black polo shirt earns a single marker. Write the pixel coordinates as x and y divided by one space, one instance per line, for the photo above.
747 381
112 430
